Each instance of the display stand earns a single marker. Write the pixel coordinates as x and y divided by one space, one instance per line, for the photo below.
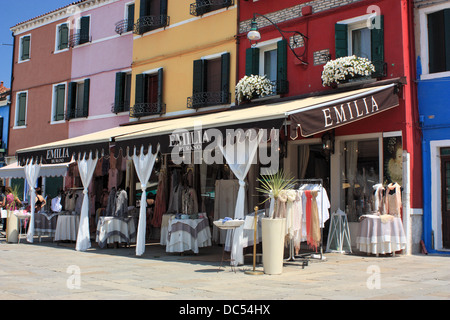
339 233
228 225
254 272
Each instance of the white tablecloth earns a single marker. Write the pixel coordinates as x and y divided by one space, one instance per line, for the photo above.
188 234
67 227
113 229
380 235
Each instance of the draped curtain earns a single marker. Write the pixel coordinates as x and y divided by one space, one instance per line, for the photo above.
239 156
86 168
32 174
351 162
144 167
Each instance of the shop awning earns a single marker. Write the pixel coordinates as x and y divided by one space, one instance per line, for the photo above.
325 116
14 171
307 113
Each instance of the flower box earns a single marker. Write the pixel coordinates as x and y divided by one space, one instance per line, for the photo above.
346 69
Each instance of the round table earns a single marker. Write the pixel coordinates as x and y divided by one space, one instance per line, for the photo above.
67 228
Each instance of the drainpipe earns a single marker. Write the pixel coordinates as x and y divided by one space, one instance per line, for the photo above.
11 92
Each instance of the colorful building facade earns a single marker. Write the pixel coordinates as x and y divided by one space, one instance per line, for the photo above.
383 148
433 76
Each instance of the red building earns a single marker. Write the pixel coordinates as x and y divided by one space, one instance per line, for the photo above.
379 148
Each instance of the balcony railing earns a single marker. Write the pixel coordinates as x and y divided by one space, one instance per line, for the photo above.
200 7
148 23
140 110
77 39
205 99
124 26
122 107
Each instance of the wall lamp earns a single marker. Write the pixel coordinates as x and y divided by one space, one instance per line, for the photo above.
328 140
254 35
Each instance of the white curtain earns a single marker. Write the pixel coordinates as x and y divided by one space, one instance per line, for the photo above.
239 155
144 167
32 174
86 168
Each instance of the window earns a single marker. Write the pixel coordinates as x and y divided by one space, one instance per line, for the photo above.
83 33
149 94
130 16
24 49
200 7
123 92
439 41
211 81
59 102
355 37
360 172
78 99
269 60
62 37
21 109
152 15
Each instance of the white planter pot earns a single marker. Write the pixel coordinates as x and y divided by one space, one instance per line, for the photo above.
273 231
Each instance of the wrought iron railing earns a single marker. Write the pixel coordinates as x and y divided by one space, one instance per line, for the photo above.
204 99
124 26
77 39
121 107
148 23
200 7
76 113
140 110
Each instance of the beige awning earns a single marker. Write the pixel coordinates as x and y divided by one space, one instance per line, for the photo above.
14 171
159 132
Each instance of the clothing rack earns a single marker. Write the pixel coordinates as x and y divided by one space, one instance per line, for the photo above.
304 257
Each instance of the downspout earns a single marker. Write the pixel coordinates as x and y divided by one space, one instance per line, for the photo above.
11 92
238 42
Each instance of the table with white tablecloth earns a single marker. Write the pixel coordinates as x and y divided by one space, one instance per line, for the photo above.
381 234
188 234
115 229
67 227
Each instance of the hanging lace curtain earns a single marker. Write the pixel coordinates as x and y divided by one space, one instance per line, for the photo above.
240 155
351 162
144 167
86 168
32 174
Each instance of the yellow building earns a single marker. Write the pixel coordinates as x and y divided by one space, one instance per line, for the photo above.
184 57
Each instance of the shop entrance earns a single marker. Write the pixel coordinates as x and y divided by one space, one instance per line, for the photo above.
445 182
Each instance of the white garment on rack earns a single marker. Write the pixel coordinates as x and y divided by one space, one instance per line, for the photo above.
56 204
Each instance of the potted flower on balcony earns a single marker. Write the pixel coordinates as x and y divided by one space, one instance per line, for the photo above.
346 69
253 86
273 228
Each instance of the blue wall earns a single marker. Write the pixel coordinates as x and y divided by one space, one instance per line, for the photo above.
434 110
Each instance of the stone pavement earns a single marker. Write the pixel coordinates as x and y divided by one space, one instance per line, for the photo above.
53 271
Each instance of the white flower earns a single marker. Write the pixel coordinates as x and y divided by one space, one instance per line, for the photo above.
337 70
253 85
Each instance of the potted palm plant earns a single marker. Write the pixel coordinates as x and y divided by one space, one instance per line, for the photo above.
273 228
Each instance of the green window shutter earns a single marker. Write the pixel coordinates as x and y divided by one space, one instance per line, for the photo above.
447 38
144 11
252 61
120 91
25 48
163 10
130 21
199 83
341 40
225 78
22 109
87 85
60 99
377 46
160 90
140 85
84 30
63 33
282 84
71 100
